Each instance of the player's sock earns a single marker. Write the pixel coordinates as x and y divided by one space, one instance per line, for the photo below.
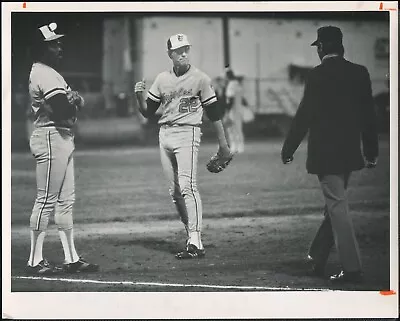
67 240
36 255
195 239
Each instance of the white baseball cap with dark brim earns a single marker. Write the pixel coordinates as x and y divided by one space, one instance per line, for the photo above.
177 41
48 32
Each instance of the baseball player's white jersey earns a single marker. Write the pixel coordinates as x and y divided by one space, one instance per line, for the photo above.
182 99
52 145
44 83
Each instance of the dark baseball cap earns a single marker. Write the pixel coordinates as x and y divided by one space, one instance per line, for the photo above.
328 34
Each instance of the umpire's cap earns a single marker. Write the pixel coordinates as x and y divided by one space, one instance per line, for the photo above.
328 34
177 41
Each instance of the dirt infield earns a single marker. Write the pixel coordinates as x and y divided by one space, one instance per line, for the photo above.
259 218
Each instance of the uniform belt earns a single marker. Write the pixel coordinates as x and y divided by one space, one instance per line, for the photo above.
165 125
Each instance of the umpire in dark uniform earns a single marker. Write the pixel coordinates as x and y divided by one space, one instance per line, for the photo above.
337 112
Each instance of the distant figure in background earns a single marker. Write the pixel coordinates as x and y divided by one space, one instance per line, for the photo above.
337 110
55 108
233 119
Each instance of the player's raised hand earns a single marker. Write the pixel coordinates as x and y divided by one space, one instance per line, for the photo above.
140 86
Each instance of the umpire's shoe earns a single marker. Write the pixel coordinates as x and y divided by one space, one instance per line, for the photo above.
347 277
43 268
80 266
316 269
191 252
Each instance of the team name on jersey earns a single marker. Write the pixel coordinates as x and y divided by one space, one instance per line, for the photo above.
167 98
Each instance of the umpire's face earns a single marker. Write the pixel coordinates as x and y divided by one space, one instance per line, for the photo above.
180 56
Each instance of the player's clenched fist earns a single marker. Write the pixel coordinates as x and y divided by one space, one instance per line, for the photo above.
140 86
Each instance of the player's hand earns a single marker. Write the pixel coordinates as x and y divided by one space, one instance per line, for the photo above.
224 152
140 86
371 163
287 160
75 99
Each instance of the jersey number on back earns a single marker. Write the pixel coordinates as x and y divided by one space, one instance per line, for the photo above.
188 105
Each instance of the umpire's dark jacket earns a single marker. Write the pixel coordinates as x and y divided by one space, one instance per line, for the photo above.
337 110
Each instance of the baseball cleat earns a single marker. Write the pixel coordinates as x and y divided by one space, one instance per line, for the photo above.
43 268
80 266
191 252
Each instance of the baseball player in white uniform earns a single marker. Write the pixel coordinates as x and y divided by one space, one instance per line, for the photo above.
182 93
233 119
55 107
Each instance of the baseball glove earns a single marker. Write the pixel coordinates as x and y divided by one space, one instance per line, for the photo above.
218 163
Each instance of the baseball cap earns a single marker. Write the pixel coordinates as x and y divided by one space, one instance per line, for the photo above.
328 34
177 41
47 31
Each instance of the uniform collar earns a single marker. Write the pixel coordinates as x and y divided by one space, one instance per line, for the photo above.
187 71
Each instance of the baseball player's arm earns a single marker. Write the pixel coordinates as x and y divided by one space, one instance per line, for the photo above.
54 94
61 108
369 129
224 150
149 106
215 113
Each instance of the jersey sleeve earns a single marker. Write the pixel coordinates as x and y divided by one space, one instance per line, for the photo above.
207 92
47 82
154 92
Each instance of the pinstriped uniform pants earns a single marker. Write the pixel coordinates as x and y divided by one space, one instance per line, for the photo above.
179 147
53 151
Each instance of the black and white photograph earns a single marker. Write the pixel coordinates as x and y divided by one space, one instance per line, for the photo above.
200 160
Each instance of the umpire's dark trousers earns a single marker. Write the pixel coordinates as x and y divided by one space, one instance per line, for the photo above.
337 227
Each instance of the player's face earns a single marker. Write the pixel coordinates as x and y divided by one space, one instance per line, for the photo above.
55 51
180 56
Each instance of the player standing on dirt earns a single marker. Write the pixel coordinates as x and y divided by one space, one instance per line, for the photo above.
182 93
52 144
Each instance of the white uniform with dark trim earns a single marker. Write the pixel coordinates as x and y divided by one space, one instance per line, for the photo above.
52 145
234 117
182 99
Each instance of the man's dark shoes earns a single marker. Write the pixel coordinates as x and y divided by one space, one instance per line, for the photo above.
43 268
80 266
346 277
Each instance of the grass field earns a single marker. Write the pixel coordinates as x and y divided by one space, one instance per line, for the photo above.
259 219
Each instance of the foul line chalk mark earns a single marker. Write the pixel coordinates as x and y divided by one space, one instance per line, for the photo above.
237 287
